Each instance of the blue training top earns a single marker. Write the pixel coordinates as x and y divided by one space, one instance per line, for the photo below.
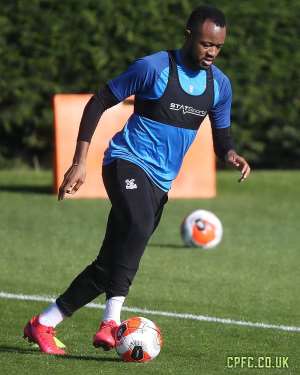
156 147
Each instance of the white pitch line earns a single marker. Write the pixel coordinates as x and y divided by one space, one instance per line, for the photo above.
202 318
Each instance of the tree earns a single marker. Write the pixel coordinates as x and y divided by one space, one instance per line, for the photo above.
49 46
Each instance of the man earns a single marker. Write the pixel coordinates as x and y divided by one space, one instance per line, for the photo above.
174 91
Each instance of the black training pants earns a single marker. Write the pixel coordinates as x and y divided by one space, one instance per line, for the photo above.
137 206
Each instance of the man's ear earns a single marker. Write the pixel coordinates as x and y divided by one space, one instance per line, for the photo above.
187 34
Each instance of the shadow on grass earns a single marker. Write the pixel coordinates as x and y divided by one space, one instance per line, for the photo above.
32 351
26 189
167 245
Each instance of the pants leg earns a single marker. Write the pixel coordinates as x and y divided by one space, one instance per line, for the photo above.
92 281
138 210
137 206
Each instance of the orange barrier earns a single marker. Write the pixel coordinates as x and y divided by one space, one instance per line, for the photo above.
197 178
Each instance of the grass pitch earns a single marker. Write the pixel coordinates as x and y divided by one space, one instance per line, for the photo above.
253 275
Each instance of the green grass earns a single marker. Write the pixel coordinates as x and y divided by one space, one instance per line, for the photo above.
252 275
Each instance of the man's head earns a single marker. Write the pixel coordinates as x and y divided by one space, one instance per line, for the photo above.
205 35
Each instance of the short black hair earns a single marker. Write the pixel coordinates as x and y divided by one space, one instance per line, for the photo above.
204 12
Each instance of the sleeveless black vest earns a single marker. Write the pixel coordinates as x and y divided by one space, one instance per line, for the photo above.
176 107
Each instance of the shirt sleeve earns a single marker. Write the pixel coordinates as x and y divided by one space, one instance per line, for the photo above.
93 110
222 141
135 80
221 112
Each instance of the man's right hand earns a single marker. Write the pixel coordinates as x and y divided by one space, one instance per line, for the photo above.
73 179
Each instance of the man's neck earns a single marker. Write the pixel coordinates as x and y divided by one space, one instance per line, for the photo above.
187 60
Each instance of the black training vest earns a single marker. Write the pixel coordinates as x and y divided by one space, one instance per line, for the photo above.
176 107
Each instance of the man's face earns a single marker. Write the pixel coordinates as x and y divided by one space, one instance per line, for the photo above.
205 43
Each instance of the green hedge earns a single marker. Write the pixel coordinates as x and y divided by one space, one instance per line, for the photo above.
74 46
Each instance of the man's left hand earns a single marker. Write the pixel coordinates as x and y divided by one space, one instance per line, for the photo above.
238 162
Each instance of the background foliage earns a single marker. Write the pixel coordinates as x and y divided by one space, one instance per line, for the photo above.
51 46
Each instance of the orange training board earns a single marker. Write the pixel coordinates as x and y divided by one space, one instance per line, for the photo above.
197 176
